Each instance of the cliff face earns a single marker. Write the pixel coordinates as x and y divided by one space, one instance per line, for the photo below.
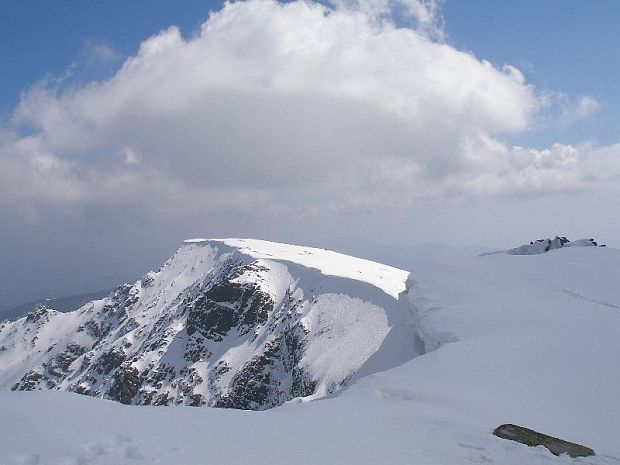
224 323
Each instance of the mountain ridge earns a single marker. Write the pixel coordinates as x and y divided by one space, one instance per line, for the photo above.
224 322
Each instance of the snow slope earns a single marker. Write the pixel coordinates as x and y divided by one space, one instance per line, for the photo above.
531 340
229 323
525 339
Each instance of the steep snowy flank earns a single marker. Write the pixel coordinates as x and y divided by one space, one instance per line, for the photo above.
228 323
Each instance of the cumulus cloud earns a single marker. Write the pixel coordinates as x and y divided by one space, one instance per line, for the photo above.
94 52
278 105
500 169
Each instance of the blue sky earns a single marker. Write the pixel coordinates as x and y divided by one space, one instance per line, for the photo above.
40 38
568 46
283 122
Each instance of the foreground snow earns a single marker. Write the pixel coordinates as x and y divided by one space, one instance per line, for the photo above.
531 340
64 428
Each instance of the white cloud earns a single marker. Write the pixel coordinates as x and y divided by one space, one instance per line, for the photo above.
499 169
560 110
425 14
94 52
587 106
275 105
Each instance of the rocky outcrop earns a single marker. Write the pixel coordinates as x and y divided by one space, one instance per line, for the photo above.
545 245
125 385
227 304
533 438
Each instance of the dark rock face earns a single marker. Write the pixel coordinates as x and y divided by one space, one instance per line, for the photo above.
29 381
533 438
66 358
270 378
125 385
108 362
227 304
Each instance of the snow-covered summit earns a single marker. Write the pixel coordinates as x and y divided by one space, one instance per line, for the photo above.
387 278
224 322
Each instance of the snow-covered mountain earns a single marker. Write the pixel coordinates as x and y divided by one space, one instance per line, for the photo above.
525 339
228 323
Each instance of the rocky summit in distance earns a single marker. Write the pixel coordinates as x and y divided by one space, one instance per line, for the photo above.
545 245
225 323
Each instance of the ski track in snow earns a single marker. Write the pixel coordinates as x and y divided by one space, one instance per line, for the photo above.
599 302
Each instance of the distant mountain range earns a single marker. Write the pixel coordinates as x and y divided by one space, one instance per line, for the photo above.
60 304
